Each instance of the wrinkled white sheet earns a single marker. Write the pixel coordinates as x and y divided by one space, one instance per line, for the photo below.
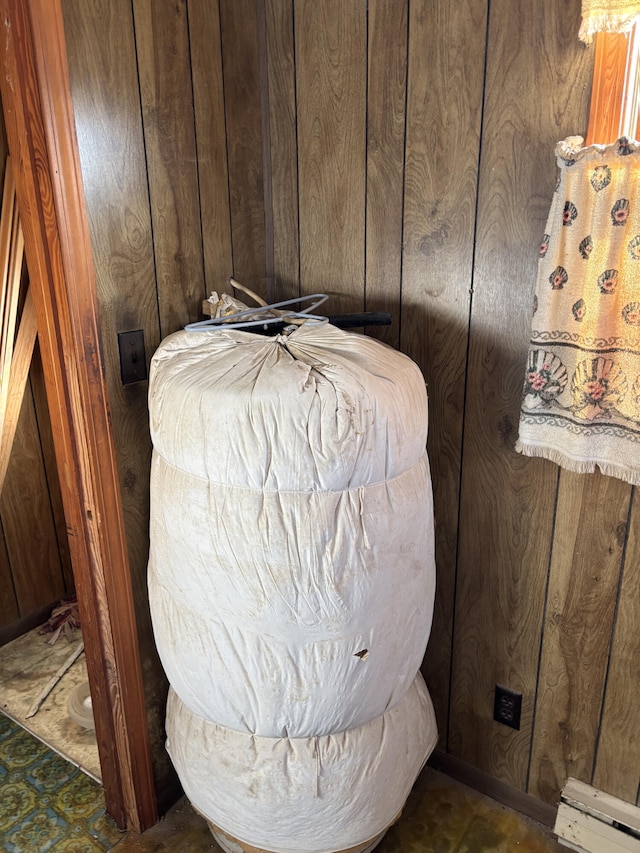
259 611
320 410
309 795
270 570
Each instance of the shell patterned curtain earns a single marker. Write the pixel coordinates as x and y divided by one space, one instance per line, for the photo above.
581 400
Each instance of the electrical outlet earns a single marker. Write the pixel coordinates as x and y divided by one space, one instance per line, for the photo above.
507 706
133 363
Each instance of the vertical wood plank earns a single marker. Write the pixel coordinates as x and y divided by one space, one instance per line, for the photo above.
585 568
386 107
211 142
104 84
9 610
244 141
36 378
284 146
27 519
507 502
446 54
331 88
617 768
162 44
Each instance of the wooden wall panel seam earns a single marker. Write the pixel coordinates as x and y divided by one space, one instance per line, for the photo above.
211 143
283 145
385 122
541 641
226 135
163 61
404 174
331 134
263 77
295 88
466 370
241 75
612 634
197 160
614 763
440 188
146 170
578 628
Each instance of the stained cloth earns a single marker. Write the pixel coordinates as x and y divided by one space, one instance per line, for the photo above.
581 400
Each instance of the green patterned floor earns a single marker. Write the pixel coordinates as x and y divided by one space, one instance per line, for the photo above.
47 804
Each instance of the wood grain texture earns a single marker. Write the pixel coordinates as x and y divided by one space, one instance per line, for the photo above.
40 126
283 146
211 142
9 610
19 375
609 75
386 112
617 759
104 83
331 105
591 522
507 502
162 47
446 54
244 141
36 379
11 287
27 520
20 577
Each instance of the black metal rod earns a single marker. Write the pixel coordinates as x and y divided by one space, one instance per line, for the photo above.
365 318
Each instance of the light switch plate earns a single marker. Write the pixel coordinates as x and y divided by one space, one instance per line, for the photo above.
133 362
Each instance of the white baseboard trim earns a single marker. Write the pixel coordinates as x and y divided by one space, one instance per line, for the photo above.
592 821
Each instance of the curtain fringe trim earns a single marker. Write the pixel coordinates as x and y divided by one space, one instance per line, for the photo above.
608 23
578 466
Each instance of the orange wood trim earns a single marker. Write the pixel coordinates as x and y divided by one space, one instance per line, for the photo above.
19 374
609 75
11 287
41 133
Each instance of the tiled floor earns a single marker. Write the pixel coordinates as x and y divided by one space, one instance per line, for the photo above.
26 666
441 816
46 803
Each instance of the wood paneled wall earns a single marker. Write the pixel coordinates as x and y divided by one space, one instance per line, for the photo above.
35 568
400 156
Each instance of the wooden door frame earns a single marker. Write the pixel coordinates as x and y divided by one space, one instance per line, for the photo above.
41 133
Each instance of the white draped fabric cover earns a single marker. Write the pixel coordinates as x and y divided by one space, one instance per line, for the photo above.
291 571
314 794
